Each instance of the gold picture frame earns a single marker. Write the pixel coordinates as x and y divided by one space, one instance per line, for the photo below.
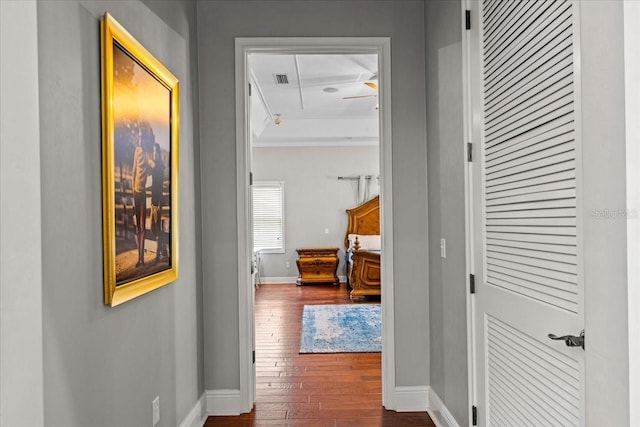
140 127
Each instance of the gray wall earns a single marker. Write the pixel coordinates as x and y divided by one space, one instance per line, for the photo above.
314 198
103 366
604 187
445 151
220 23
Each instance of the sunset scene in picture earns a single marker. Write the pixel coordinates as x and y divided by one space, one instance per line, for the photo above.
142 170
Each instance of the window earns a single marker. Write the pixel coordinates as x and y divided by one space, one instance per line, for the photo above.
268 217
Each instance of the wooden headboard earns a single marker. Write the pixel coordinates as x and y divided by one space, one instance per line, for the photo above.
363 219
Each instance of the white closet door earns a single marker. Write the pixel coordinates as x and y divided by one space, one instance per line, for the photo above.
527 228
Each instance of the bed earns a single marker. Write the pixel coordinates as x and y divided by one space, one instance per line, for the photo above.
362 243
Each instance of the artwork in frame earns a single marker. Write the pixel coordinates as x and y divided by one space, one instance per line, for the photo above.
139 167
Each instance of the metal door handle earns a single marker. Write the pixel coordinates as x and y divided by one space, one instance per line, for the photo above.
570 340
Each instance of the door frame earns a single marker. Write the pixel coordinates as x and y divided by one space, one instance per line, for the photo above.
327 45
632 110
470 86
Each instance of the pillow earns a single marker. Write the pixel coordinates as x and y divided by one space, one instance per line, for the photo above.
367 242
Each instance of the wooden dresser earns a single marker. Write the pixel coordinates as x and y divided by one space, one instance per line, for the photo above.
317 265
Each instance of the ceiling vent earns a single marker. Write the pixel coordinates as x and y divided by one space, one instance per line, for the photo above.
281 79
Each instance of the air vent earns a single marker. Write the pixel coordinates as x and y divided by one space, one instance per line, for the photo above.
281 79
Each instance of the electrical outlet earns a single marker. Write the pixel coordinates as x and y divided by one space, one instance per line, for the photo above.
443 248
156 410
326 231
288 264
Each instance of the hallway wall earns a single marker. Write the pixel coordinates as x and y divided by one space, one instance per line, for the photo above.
103 366
219 23
445 151
21 387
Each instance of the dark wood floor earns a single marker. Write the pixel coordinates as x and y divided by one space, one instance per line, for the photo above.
311 390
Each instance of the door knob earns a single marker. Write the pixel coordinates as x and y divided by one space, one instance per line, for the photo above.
570 340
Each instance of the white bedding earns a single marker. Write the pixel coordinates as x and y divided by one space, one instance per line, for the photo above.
367 242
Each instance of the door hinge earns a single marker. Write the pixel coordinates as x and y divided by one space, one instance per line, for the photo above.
254 356
474 415
250 178
472 283
249 89
469 152
467 19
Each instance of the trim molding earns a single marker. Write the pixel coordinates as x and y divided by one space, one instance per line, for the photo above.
407 399
469 84
438 412
195 417
287 280
223 402
411 398
334 45
632 110
277 280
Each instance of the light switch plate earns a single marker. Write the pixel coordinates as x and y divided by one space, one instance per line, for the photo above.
156 410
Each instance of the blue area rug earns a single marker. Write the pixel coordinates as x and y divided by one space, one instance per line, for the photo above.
341 328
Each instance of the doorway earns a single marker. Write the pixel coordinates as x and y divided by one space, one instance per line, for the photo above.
299 46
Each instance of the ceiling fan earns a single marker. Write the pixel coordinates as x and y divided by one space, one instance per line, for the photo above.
373 85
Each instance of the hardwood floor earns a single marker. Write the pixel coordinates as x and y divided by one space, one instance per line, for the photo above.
311 390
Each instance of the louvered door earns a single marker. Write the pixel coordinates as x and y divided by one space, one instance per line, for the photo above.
527 258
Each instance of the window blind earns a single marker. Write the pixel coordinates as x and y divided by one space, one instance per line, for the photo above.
268 217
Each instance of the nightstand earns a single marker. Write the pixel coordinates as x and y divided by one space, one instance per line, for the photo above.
317 265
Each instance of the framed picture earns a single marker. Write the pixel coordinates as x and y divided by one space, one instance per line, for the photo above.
139 167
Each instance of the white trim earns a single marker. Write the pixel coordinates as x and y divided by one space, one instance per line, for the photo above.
223 402
291 280
411 398
195 417
245 249
467 87
632 112
386 219
275 280
438 411
580 205
332 45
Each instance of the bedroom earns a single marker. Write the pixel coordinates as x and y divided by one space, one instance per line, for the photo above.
314 121
321 153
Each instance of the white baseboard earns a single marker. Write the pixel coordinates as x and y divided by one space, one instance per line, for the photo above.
196 416
439 412
222 402
277 280
407 399
287 280
411 398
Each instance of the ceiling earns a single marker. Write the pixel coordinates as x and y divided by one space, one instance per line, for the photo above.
305 94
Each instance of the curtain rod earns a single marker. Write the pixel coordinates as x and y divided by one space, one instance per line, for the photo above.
357 177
